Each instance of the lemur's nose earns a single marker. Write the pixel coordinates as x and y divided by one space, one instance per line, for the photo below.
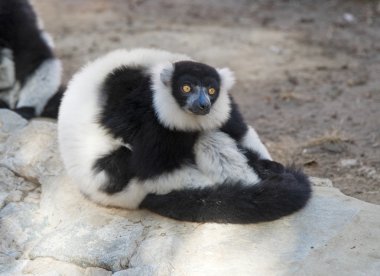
203 105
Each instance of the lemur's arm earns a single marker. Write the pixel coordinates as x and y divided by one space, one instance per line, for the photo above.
250 144
245 135
116 165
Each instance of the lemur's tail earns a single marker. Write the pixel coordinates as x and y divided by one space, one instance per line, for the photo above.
272 198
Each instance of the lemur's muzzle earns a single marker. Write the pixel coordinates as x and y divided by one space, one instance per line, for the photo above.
200 103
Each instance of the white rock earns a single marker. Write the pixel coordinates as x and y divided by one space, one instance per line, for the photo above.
13 188
47 266
9 122
20 226
32 151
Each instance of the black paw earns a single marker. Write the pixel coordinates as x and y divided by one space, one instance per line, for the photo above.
268 168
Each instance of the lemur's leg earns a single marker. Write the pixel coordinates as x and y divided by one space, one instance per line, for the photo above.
109 180
40 86
113 182
250 144
116 165
251 141
244 135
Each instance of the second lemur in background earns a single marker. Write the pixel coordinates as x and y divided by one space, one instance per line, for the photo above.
30 74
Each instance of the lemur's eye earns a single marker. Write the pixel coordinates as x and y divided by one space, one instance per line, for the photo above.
211 91
186 88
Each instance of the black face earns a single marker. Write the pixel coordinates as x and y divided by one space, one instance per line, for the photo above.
195 86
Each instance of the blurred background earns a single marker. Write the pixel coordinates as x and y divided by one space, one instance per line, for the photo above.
308 72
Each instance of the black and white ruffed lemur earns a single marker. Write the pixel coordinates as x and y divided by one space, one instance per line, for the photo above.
156 130
30 75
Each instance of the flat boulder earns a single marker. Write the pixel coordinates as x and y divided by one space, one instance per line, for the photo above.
47 227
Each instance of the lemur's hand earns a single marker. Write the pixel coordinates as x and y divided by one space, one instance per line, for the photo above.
268 168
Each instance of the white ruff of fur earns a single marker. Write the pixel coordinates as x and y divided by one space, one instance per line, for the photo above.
218 157
172 116
41 85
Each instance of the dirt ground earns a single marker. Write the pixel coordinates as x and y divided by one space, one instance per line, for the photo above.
308 72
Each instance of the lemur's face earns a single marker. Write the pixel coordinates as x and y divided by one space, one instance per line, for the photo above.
195 86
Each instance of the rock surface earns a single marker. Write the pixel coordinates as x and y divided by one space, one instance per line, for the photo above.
48 228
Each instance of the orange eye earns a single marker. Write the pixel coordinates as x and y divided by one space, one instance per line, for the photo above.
186 88
211 91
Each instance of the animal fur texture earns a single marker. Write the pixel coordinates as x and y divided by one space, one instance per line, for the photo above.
127 141
30 74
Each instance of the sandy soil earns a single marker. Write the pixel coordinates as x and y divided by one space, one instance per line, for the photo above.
308 73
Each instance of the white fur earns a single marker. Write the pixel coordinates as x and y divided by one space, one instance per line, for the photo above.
7 69
218 157
136 191
252 141
41 85
12 95
227 77
8 79
165 105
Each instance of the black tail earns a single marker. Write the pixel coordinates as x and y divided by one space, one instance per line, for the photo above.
272 198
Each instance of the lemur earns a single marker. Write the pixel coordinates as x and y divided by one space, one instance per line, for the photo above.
157 130
30 74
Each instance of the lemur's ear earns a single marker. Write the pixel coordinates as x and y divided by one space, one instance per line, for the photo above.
167 73
227 78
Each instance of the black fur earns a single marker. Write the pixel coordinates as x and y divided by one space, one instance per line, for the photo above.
195 74
118 168
128 114
275 197
26 112
264 168
19 32
52 106
235 126
3 104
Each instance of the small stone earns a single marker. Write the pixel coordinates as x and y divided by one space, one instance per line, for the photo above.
348 163
349 18
321 182
275 49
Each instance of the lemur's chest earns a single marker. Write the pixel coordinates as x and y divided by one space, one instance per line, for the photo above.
158 150
218 157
